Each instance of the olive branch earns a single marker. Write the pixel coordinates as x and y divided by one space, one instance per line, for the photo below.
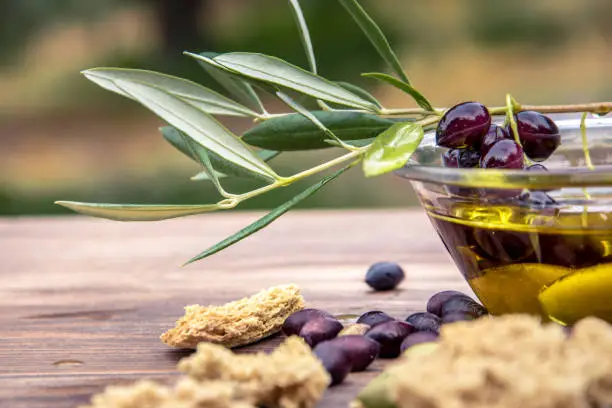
381 139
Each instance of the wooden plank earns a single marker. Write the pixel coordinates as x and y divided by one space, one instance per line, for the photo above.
83 301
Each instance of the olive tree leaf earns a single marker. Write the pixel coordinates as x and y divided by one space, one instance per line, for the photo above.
204 160
295 132
201 127
265 155
222 166
274 71
204 176
392 148
177 139
306 42
376 36
361 92
197 95
420 99
304 34
353 143
308 115
137 212
239 89
268 218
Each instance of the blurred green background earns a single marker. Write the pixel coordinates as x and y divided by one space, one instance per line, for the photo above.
62 137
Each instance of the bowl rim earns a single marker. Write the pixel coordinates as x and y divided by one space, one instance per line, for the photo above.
512 179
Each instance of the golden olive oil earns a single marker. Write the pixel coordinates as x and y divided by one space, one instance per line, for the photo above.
521 260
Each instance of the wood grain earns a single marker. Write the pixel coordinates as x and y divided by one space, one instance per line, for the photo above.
83 301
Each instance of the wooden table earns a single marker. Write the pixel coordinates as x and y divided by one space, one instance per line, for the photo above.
83 301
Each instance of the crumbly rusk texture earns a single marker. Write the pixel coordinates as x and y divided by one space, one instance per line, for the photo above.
508 362
289 377
186 394
236 323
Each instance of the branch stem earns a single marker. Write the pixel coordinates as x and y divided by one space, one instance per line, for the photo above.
284 181
596 107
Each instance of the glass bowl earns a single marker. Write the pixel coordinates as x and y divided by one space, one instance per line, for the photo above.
551 255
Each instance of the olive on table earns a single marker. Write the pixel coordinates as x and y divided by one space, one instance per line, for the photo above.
434 304
418 338
457 317
362 351
384 275
293 324
464 305
390 336
335 360
424 321
317 330
374 317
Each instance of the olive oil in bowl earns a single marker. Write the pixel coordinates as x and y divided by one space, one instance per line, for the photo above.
517 259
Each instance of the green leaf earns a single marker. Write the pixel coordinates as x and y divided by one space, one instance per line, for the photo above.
204 160
392 149
239 89
308 115
295 132
137 212
409 89
201 127
272 70
204 176
201 97
304 34
376 36
268 218
361 92
265 155
354 143
222 166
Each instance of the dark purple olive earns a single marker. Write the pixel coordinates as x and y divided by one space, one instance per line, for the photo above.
362 351
505 154
390 336
424 321
317 330
469 158
536 167
457 317
573 250
417 338
450 158
494 135
335 360
504 246
463 305
384 275
434 304
536 199
293 324
538 134
374 317
463 125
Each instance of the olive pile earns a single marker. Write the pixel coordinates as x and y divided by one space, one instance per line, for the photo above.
386 337
474 141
